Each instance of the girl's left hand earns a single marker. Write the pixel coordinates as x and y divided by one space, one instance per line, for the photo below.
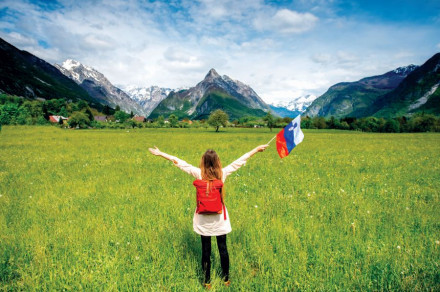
155 151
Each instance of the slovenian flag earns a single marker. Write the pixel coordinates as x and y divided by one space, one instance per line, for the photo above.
289 137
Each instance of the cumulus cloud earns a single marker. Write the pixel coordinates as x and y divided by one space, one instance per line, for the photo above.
19 39
287 21
178 59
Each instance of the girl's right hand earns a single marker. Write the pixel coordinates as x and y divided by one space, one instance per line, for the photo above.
155 151
261 148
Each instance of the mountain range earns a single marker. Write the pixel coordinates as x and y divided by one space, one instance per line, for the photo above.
293 107
147 97
99 87
213 92
24 74
418 92
403 91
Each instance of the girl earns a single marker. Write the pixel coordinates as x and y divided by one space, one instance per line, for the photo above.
208 225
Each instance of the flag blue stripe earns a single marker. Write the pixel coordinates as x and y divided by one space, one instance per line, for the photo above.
289 137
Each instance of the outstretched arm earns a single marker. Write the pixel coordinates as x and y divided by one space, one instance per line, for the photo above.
257 149
183 165
157 152
242 160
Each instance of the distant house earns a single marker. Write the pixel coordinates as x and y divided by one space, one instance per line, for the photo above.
139 119
189 122
56 119
100 118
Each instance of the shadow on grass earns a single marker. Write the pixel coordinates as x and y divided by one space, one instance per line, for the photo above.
193 247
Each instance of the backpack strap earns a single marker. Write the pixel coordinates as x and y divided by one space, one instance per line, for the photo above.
223 203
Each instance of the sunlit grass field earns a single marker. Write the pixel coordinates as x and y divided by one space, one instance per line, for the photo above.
94 210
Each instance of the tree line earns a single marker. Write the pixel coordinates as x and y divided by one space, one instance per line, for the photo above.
21 111
419 122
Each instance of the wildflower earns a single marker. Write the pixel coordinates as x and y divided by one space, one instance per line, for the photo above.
137 258
368 212
117 243
407 208
30 197
437 242
398 247
342 190
256 206
128 243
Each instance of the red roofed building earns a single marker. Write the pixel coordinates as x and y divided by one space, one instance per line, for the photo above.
139 119
56 119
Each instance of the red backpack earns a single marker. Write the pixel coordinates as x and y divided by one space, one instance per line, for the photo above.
209 197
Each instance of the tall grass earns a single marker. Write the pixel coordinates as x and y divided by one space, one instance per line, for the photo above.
93 210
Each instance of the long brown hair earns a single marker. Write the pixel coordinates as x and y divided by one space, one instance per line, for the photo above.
211 169
210 166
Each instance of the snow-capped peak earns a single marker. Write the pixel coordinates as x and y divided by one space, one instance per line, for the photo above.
297 104
405 70
80 72
70 64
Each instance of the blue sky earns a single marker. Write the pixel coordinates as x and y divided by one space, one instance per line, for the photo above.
282 49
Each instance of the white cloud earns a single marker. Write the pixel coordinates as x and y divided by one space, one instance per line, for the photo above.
20 40
177 59
286 21
98 42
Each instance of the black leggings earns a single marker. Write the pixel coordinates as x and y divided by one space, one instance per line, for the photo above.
206 256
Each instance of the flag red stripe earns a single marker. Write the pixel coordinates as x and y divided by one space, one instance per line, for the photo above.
281 145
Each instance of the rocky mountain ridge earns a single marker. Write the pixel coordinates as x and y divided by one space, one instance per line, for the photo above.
418 92
298 104
355 98
147 97
98 86
213 92
24 74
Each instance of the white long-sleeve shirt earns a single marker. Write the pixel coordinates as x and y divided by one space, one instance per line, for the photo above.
211 224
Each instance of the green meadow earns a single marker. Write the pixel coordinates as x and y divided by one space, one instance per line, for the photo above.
94 210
